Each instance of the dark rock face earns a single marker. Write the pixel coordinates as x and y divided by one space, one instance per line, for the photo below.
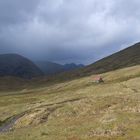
19 66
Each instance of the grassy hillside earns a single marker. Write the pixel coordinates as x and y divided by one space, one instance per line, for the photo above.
125 58
75 110
13 83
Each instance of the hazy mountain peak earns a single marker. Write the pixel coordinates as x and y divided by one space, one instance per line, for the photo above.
50 68
17 65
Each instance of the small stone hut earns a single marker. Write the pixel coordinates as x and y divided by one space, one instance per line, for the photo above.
98 79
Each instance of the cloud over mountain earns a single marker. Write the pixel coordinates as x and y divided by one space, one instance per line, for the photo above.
67 31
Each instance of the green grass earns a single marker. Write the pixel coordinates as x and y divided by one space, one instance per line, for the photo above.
76 109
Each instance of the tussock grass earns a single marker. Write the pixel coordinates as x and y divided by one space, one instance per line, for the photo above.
76 109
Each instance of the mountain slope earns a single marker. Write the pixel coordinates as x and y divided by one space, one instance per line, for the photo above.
16 65
125 58
51 68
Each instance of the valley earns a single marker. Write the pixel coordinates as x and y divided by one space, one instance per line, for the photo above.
74 110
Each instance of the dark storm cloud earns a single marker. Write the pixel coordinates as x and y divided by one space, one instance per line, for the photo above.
68 30
16 11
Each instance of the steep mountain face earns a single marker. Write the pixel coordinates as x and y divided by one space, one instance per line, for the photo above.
50 68
19 66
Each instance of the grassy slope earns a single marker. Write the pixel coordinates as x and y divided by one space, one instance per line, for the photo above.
77 109
122 59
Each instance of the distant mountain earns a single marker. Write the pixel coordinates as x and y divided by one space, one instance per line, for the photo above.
72 66
16 65
51 68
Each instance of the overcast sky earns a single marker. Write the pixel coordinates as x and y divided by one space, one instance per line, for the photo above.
64 31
